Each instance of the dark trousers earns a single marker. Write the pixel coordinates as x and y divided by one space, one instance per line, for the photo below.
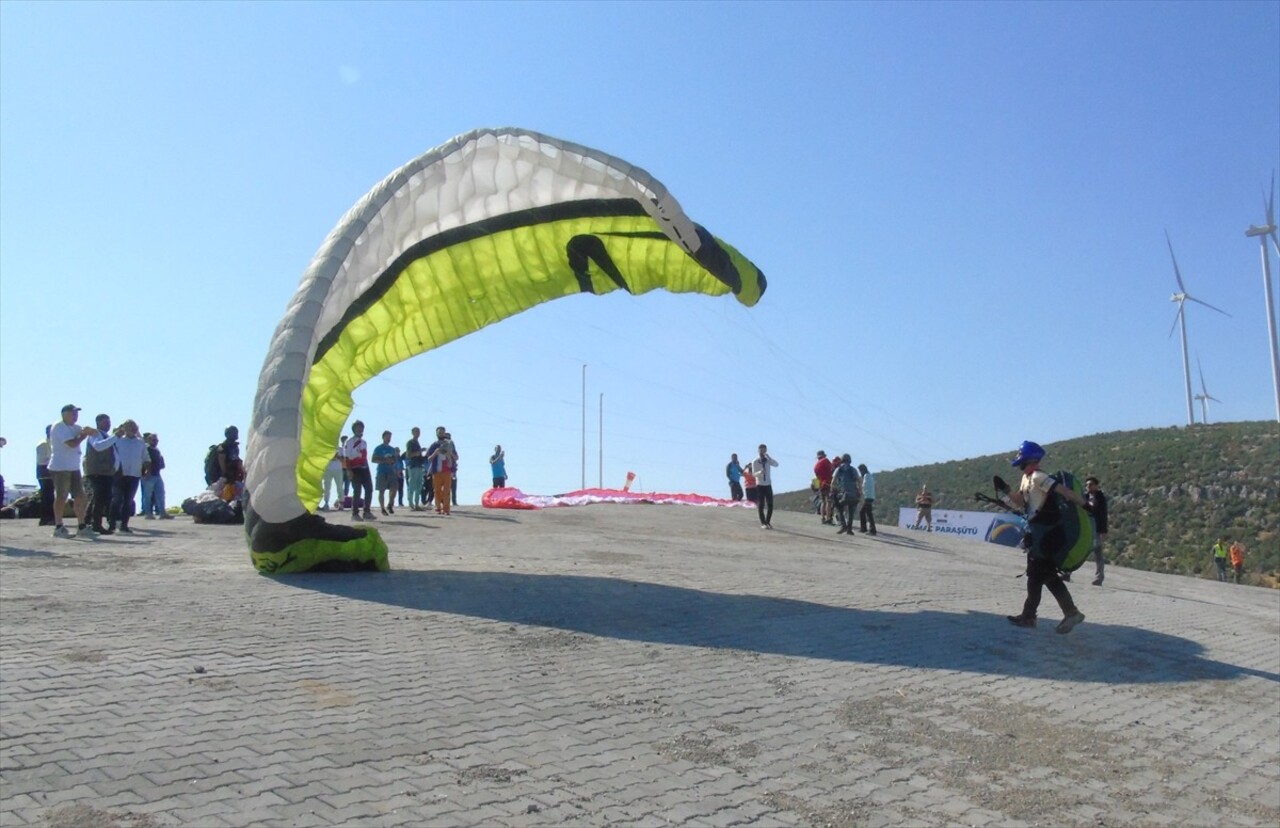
123 490
46 497
845 507
1040 574
867 515
361 481
428 490
764 504
735 490
99 487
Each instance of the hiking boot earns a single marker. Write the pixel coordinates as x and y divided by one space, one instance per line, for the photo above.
384 510
1023 621
1097 581
104 530
369 515
126 530
356 516
1069 623
60 531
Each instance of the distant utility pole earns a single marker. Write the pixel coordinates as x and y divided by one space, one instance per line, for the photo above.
601 483
584 426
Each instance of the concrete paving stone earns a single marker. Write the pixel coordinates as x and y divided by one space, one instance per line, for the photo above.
815 672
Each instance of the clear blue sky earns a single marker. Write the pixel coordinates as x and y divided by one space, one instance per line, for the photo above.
960 208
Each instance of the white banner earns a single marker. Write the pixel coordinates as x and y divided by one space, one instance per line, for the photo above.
1004 528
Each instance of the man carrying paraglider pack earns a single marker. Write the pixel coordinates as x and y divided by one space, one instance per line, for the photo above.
1036 496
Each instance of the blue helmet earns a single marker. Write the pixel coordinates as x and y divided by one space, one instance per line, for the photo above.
1026 452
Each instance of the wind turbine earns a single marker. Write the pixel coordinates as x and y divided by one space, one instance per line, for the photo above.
1269 229
1182 297
1204 396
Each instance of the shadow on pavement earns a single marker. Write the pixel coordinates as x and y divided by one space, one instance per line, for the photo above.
616 608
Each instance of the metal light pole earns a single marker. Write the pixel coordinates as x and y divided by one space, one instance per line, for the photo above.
584 426
1262 233
601 483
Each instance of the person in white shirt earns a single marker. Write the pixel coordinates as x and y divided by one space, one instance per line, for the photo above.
131 460
65 438
355 454
764 486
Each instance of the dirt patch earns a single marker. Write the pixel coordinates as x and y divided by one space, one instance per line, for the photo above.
325 695
84 816
490 773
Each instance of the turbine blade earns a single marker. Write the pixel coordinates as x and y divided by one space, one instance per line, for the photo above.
1177 274
1271 202
1215 399
1199 368
1177 317
1207 305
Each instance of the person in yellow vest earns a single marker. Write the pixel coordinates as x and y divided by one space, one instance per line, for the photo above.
1237 560
1220 558
924 507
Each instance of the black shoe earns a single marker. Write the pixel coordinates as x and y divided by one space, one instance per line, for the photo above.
1021 621
126 530
103 530
872 532
1097 582
1066 576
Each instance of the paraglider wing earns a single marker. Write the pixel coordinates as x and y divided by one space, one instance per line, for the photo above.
478 229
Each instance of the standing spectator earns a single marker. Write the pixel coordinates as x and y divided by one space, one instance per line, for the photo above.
764 486
399 467
1237 560
346 475
867 514
356 454
331 479
498 465
749 484
131 461
1035 496
1095 503
733 471
414 460
65 438
153 482
229 454
823 470
44 478
384 460
844 488
453 479
100 473
442 459
1220 558
924 507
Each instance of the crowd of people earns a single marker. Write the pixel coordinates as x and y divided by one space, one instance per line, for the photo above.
102 486
427 475
842 488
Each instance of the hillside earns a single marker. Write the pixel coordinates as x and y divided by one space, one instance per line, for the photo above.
1170 490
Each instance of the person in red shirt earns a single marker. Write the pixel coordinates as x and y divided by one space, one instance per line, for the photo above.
822 470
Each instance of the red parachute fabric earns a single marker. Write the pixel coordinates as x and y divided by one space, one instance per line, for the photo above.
516 499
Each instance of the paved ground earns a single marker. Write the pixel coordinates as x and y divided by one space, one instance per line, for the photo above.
620 665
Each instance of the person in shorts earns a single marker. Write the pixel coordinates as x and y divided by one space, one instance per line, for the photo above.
65 438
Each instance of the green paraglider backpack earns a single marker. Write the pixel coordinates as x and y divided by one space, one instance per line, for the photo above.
1061 531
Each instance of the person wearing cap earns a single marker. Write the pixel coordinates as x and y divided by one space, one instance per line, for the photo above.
229 454
823 470
1035 493
100 473
65 438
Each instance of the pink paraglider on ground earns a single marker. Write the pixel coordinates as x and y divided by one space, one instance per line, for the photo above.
516 499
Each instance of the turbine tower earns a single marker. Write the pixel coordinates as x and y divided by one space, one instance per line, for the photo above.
1269 230
1182 297
1204 396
